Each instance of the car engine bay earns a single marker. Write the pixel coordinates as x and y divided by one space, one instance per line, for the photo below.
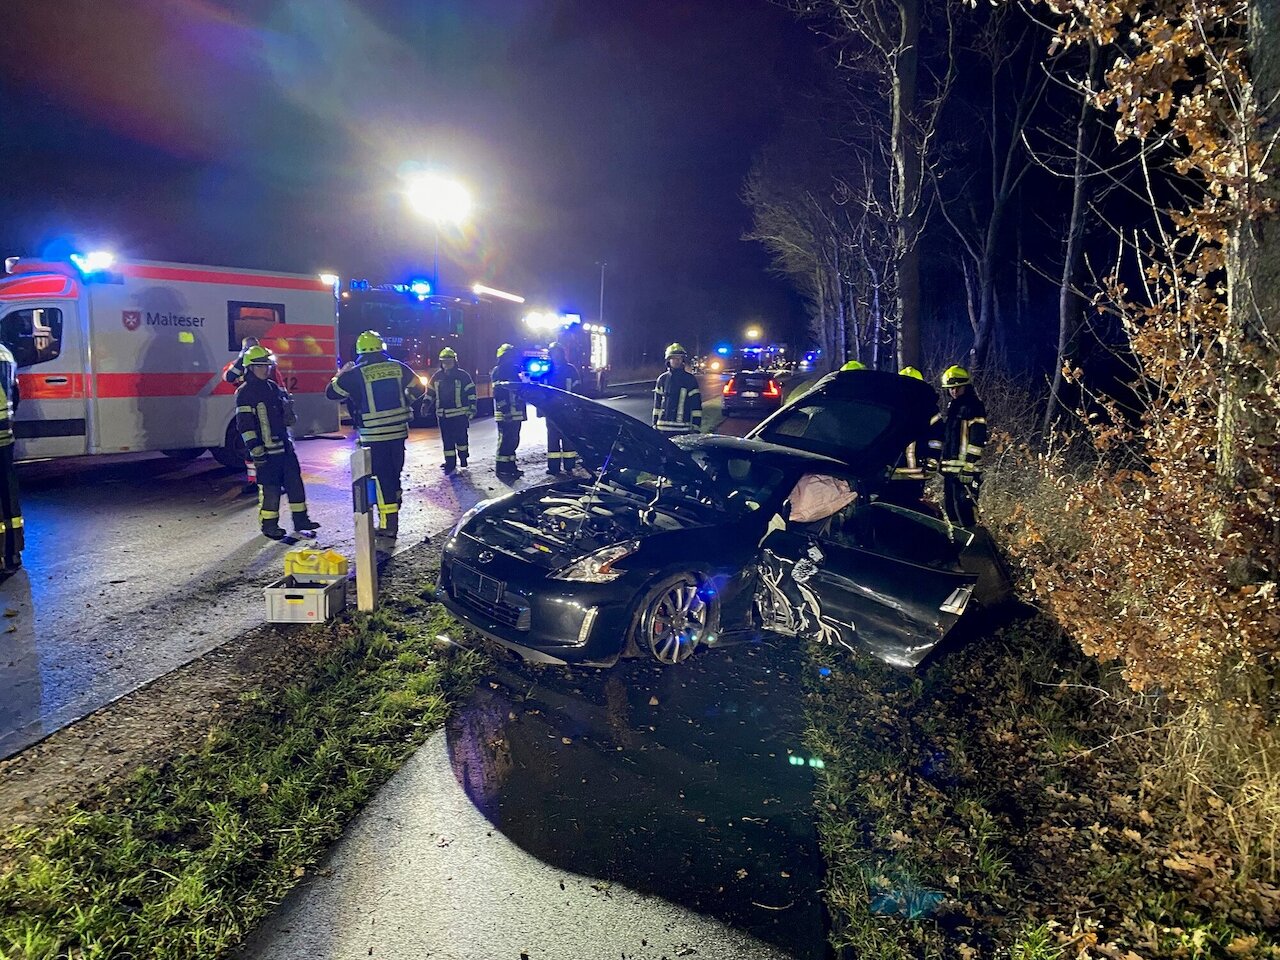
555 527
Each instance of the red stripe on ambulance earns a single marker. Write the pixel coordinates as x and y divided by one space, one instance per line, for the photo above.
148 272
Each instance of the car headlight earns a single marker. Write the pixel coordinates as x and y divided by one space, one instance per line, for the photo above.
598 567
467 517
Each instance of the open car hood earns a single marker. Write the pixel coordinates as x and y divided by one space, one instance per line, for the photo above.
863 418
606 438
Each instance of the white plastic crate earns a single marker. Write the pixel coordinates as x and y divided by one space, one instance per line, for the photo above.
310 599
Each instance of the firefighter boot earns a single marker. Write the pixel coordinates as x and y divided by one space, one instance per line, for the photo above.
273 531
304 524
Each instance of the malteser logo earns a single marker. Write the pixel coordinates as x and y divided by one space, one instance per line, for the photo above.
132 319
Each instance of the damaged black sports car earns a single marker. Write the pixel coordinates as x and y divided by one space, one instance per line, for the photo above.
670 546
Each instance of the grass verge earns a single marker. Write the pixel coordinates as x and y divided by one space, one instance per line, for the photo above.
183 859
1006 803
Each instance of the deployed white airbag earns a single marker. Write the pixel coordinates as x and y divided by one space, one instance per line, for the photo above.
817 496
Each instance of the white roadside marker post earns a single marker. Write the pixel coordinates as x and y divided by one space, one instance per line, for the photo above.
363 500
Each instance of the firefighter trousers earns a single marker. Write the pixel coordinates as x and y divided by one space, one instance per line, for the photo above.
10 509
960 497
508 441
280 473
453 433
386 458
560 452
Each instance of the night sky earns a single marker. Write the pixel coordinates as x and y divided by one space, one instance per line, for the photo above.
273 134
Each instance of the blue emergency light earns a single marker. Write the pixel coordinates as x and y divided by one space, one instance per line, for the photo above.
536 367
724 349
96 261
420 289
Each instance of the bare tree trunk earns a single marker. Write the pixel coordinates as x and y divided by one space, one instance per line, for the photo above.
986 296
1253 284
877 317
1069 302
837 280
906 159
1023 283
970 295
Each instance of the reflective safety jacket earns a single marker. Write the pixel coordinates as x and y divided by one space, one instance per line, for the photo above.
507 405
379 393
961 436
909 465
8 395
454 393
677 403
262 416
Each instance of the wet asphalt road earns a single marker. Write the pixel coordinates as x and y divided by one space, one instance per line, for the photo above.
136 565
637 812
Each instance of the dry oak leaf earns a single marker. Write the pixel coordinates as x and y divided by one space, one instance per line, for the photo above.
1242 946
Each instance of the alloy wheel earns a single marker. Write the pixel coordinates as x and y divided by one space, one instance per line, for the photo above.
675 622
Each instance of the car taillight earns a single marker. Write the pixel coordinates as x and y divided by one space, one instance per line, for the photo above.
731 388
773 390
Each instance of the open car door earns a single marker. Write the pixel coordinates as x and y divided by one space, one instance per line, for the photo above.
885 580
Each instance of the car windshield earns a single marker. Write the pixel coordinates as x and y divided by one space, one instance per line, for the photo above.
738 471
729 471
842 429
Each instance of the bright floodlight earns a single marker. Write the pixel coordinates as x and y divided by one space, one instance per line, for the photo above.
332 280
438 198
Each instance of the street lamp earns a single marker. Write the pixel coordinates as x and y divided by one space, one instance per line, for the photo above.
753 334
441 200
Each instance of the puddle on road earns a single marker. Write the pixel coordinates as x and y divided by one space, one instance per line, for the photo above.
694 799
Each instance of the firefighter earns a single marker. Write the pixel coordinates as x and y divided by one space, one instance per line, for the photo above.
10 510
264 414
453 393
906 484
677 401
235 374
564 375
956 447
853 365
379 393
508 411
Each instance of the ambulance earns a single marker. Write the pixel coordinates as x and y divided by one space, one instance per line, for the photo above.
128 356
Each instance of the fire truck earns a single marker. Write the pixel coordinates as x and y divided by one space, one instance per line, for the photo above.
586 346
418 323
125 356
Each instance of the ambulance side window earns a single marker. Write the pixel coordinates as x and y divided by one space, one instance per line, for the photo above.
246 319
34 335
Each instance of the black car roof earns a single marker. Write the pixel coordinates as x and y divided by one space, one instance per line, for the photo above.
902 408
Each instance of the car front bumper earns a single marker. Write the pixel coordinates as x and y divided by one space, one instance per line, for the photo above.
515 603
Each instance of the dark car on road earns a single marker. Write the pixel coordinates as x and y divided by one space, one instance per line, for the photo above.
667 546
751 391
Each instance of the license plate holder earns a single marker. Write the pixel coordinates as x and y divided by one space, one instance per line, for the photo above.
475 582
